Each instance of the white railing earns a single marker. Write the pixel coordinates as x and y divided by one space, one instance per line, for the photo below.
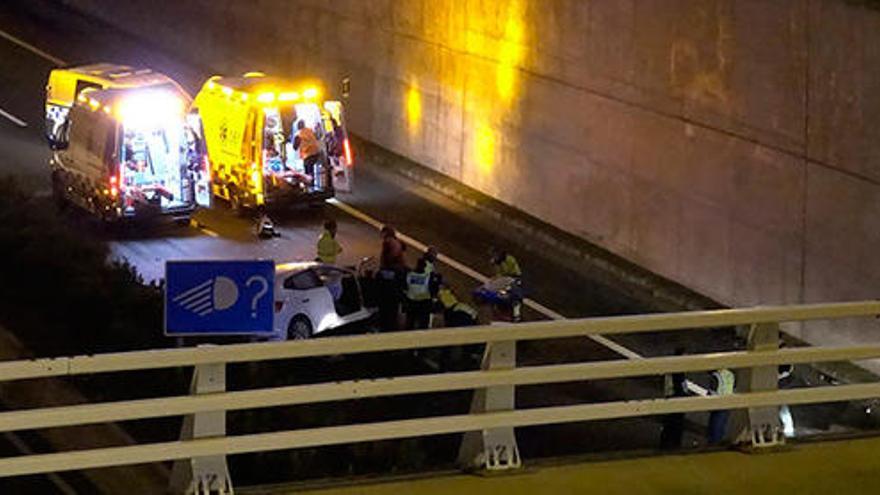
490 441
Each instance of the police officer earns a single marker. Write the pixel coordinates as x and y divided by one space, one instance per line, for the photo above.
723 383
430 258
436 280
328 246
418 297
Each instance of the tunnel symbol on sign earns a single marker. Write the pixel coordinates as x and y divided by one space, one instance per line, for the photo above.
214 294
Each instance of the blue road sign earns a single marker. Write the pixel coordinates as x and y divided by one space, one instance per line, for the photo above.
219 297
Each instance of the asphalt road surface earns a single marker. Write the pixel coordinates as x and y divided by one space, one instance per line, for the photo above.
36 36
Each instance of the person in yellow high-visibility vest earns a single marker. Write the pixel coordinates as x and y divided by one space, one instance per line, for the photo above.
504 263
418 297
328 247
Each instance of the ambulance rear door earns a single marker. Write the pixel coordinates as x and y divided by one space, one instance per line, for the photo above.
197 160
338 146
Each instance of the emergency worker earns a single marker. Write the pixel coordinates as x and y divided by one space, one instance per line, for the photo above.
675 385
723 383
504 263
389 278
459 314
418 297
309 148
455 312
430 259
391 257
328 247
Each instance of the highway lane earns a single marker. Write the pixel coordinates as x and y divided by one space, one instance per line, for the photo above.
456 230
24 153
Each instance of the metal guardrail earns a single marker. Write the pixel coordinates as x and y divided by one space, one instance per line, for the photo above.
489 440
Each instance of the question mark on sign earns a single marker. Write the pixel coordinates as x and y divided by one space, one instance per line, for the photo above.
260 293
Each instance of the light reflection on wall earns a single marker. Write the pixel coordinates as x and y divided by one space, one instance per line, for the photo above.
484 146
499 90
510 53
483 46
413 110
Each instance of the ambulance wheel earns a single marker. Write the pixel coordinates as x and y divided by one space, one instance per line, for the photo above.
300 328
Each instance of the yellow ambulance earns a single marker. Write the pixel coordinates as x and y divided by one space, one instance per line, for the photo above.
271 140
125 151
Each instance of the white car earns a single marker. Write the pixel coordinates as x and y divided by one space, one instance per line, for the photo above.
312 297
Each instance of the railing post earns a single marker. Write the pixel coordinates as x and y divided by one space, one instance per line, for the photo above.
493 449
203 475
764 427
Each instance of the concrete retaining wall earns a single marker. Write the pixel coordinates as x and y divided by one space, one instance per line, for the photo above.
730 145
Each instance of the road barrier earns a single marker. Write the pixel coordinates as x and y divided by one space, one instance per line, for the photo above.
489 440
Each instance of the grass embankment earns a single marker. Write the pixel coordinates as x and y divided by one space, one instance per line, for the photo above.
59 292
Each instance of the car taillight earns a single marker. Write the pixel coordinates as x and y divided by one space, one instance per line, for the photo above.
114 191
349 160
278 306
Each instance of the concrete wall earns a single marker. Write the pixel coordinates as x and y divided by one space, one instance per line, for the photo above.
730 145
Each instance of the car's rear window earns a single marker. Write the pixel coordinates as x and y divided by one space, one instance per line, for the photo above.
306 279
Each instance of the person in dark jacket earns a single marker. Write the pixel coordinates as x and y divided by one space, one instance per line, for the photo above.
390 279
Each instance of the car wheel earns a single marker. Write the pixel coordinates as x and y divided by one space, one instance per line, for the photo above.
300 328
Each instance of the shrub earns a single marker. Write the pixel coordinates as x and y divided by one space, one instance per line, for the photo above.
60 293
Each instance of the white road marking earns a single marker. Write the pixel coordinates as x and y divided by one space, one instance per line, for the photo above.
461 267
31 48
15 120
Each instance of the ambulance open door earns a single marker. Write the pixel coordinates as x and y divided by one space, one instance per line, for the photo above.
199 165
338 147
